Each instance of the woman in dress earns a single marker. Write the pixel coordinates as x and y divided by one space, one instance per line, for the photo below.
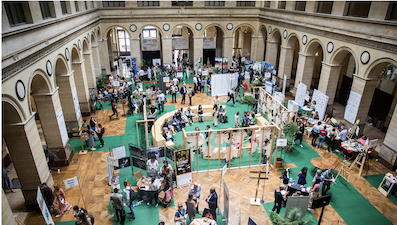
216 112
191 208
302 176
63 205
91 140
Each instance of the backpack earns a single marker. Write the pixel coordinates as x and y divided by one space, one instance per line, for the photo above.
132 195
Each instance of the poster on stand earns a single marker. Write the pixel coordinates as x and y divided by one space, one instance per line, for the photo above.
352 107
156 62
321 103
209 43
183 167
300 94
62 126
269 87
119 152
225 68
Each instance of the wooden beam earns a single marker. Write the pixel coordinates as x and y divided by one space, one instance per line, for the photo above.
272 144
197 151
241 147
230 147
219 149
252 144
233 129
137 132
261 143
278 136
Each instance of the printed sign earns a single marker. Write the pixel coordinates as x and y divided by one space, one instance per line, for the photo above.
62 126
179 43
179 74
119 152
373 143
113 161
76 103
281 142
183 167
268 75
43 208
166 79
71 182
150 44
209 42
352 107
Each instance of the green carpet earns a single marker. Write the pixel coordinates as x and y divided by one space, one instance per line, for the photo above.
106 105
269 206
66 223
375 181
346 200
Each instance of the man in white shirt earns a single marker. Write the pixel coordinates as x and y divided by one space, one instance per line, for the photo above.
195 83
176 81
342 134
154 187
161 99
174 91
195 190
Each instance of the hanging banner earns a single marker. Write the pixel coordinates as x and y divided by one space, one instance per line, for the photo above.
209 43
300 94
113 161
352 107
76 103
62 126
285 83
150 44
225 68
43 208
183 167
321 103
179 43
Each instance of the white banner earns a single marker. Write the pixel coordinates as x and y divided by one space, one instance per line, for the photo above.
269 87
113 161
179 74
43 208
184 179
209 43
156 61
321 103
150 44
300 94
281 142
179 43
225 202
76 103
352 107
62 126
71 182
224 169
119 152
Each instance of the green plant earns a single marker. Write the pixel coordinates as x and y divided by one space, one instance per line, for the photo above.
255 83
215 69
145 64
249 100
289 129
177 147
294 217
100 80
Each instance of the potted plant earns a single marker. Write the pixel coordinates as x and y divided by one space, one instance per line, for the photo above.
249 100
294 216
100 81
290 129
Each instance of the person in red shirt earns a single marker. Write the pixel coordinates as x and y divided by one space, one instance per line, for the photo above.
321 137
114 109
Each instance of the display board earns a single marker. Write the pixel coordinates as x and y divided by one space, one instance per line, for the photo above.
179 43
225 67
150 44
183 167
269 87
43 207
300 94
62 126
225 202
209 43
119 152
321 103
352 107
76 104
158 151
218 63
137 152
140 163
156 61
222 84
299 202
123 163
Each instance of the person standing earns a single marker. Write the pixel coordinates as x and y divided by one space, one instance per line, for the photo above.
174 91
332 137
101 131
278 199
302 176
215 115
48 195
328 177
91 139
149 74
114 109
343 133
314 192
100 100
202 85
154 187
168 178
195 82
148 94
237 120
299 135
190 94
195 191
161 99
191 207
63 205
212 201
183 93
130 202
315 133
118 204
200 113
180 217
321 137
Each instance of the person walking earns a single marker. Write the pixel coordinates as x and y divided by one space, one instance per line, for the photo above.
114 109
191 208
183 93
278 199
101 131
63 205
190 94
118 204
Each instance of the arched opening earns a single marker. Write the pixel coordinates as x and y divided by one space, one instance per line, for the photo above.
290 61
273 49
151 47
242 42
81 83
182 46
89 65
95 55
262 43
119 46
314 50
212 44
345 81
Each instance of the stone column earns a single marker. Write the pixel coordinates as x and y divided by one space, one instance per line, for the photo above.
366 88
7 217
69 101
260 48
198 48
23 142
271 52
104 55
388 150
167 50
89 69
228 49
54 127
135 46
96 60
329 80
304 72
253 51
285 65
82 87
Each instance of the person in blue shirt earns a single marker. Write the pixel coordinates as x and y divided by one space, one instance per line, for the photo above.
180 216
202 85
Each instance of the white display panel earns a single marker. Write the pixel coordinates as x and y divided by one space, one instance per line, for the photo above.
352 107
321 103
300 94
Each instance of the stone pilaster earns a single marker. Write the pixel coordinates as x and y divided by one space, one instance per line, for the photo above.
254 43
388 151
167 50
81 86
198 48
227 50
89 69
260 46
69 101
135 46
7 217
23 142
54 127
104 55
304 72
329 80
96 60
285 65
271 52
